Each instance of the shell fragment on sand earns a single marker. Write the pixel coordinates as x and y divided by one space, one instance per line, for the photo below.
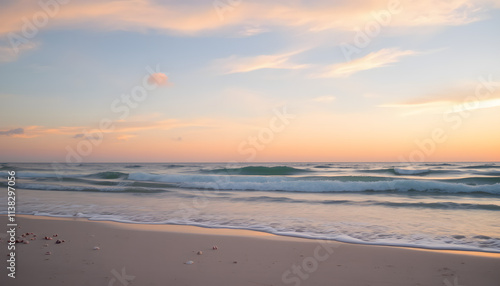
189 262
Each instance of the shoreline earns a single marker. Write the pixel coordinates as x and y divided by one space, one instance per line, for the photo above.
196 229
112 253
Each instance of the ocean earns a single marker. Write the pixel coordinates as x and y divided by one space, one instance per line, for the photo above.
427 205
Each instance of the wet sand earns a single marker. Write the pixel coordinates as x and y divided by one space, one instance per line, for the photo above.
108 253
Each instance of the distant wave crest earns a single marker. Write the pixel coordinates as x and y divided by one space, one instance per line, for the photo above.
410 171
258 171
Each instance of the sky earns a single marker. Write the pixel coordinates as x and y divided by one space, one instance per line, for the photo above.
249 81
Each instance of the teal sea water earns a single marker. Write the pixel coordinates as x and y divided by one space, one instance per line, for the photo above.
428 205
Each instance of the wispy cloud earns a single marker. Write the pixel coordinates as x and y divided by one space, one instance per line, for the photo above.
437 13
251 30
373 60
451 100
125 137
180 17
11 132
121 129
9 54
235 64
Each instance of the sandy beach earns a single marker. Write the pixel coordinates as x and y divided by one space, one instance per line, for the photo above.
107 253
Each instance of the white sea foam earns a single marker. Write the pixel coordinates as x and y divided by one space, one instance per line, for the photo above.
88 188
24 174
262 183
410 171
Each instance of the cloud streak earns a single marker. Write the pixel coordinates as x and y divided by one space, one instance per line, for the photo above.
234 64
373 60
181 18
451 100
8 54
121 129
17 131
125 137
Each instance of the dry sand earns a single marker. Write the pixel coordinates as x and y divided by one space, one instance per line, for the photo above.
144 255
